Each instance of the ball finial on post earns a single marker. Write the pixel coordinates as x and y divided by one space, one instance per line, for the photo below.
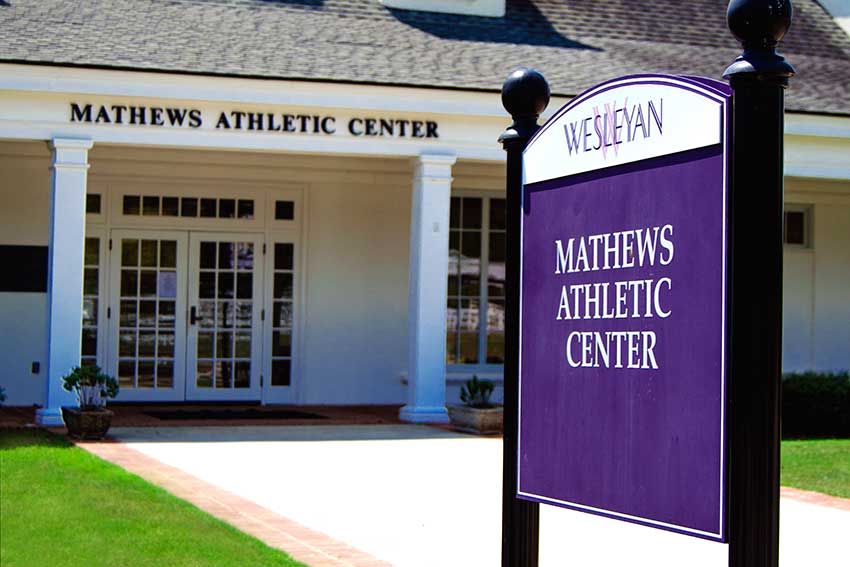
759 25
525 93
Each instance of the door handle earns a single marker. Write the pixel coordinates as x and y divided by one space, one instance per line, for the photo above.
193 315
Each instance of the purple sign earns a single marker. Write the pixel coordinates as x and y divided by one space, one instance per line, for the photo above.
623 303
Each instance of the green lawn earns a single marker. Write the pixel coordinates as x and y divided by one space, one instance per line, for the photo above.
822 465
62 506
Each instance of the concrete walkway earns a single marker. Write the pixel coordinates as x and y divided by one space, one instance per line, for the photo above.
308 546
416 496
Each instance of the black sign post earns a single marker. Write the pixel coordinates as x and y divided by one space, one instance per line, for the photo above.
758 78
525 95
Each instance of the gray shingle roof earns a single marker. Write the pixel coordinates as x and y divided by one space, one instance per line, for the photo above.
575 43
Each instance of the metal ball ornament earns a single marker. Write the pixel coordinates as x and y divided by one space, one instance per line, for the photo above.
759 23
525 93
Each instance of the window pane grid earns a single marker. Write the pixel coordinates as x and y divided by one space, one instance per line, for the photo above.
187 207
146 314
283 313
225 312
91 294
475 307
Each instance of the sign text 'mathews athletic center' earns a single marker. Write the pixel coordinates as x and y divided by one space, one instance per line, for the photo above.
623 299
240 120
619 299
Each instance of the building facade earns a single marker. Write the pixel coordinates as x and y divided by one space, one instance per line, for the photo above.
217 230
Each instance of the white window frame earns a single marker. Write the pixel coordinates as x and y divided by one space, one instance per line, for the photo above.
483 369
99 232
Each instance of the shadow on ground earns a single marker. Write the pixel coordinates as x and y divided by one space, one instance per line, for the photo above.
276 433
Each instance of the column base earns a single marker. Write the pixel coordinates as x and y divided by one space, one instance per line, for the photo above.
414 414
49 417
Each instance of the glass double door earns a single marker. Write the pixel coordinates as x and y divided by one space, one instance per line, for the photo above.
187 317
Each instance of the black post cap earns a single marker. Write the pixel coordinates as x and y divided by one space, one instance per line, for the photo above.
525 94
759 25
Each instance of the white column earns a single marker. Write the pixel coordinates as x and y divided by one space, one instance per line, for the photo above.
65 271
429 264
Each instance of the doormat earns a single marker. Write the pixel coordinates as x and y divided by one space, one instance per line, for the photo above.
225 414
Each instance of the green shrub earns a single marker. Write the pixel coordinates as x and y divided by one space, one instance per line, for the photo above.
476 393
816 404
91 386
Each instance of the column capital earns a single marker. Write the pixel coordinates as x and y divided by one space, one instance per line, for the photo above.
71 153
434 167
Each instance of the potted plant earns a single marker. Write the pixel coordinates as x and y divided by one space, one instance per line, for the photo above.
477 414
91 420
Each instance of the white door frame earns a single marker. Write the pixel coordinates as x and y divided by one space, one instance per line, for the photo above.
112 224
253 391
177 391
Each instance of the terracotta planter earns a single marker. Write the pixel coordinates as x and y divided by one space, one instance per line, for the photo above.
475 420
88 424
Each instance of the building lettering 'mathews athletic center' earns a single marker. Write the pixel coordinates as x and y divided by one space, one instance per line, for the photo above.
303 202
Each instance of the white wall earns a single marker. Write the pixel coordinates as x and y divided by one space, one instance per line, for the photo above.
24 198
23 340
798 302
25 192
356 342
816 330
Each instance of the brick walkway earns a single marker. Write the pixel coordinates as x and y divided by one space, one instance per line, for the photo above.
303 544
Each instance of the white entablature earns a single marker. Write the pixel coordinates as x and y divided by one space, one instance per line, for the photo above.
35 105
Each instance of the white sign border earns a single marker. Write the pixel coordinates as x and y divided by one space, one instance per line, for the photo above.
701 89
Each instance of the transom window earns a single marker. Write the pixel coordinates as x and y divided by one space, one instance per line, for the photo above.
93 202
475 314
797 226
284 210
191 207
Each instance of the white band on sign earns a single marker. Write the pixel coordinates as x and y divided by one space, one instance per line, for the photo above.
605 126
